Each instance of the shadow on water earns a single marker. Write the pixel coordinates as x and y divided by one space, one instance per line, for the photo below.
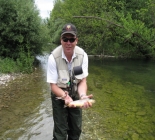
124 110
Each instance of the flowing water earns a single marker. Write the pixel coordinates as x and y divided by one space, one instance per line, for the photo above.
124 91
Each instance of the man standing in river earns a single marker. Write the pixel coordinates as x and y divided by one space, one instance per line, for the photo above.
67 71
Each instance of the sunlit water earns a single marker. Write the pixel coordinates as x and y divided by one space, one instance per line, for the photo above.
124 91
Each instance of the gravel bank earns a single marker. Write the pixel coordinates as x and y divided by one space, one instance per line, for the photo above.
5 78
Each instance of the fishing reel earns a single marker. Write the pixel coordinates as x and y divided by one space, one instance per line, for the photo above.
77 72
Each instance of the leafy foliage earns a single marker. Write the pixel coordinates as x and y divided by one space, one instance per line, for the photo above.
23 34
7 66
120 28
20 26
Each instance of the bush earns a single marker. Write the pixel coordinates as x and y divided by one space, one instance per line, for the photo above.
24 63
7 65
20 26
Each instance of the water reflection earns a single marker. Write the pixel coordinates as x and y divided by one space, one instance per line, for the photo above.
40 124
26 113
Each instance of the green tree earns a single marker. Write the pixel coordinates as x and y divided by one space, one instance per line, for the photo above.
121 28
20 27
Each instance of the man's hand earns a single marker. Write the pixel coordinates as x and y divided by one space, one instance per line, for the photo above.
86 104
67 99
86 96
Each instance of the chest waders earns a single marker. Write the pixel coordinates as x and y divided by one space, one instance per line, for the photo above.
67 121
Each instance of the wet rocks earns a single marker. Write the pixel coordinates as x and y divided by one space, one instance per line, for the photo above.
5 78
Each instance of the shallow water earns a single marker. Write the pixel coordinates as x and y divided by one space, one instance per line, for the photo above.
26 112
124 91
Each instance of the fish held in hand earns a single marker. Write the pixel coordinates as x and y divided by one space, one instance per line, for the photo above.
80 103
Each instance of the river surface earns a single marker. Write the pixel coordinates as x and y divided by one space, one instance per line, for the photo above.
124 91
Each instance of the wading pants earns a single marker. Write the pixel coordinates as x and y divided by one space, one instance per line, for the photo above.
67 121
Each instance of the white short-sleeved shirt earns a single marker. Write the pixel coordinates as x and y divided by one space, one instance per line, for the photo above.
52 74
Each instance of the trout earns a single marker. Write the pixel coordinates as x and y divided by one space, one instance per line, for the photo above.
80 103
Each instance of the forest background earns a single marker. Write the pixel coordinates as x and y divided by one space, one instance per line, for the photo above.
121 28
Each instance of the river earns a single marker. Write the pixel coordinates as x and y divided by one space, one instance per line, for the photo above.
124 91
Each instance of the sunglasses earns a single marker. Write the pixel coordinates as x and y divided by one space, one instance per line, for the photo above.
71 40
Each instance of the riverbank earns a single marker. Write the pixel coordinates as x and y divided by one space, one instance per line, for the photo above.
5 78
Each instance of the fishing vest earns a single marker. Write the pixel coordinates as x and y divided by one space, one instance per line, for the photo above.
62 68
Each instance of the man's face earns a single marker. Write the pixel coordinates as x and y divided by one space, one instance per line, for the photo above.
68 42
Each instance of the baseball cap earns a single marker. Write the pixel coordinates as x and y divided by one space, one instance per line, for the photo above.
69 28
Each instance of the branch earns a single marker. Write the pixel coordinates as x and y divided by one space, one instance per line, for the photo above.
136 34
98 19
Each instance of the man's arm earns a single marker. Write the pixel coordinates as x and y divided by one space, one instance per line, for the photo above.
60 93
56 90
82 90
82 87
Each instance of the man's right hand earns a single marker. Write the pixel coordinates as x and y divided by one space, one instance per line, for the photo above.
67 99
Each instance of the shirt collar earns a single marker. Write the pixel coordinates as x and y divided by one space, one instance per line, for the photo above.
64 57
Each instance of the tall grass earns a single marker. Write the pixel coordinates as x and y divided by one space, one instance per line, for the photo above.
8 65
24 63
